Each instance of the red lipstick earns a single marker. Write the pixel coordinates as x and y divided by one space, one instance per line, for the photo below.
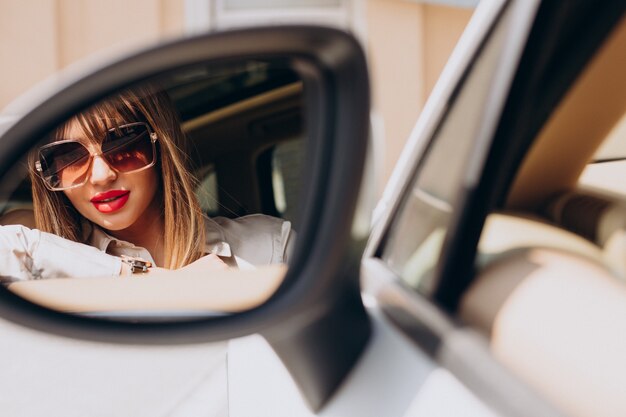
110 201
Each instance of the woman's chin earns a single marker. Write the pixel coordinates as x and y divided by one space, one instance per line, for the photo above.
113 223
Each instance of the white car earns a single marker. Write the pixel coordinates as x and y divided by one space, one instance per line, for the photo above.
492 282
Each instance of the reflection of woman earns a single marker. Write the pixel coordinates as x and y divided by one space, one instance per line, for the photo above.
115 177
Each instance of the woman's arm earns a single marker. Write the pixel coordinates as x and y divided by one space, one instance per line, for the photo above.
30 254
207 262
219 290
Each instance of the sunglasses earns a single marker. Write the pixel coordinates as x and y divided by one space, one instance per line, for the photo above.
66 164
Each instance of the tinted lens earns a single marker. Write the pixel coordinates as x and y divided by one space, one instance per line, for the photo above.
64 165
128 147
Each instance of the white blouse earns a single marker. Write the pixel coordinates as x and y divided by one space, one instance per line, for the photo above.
243 242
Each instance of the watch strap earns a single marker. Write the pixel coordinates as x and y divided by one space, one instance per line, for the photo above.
137 265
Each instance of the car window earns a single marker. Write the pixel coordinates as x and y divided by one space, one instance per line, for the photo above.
287 158
414 241
614 146
608 167
278 179
207 194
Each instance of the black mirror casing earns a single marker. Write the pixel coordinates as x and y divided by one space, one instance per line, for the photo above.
316 321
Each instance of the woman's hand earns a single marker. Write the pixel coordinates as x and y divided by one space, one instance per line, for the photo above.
207 262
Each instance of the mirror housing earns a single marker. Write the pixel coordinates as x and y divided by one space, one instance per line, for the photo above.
315 321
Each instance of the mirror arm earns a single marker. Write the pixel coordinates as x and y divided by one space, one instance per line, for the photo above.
321 342
320 354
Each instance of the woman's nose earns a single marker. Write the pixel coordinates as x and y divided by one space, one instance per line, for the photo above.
101 172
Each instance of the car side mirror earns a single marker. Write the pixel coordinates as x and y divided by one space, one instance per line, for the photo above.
315 81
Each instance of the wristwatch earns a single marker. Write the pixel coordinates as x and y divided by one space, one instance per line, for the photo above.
137 265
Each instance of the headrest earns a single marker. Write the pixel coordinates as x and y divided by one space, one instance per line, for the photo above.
554 312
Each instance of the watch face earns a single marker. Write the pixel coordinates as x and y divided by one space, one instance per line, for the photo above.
137 265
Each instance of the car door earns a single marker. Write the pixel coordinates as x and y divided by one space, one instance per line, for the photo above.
422 254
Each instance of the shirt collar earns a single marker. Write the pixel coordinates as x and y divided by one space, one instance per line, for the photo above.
215 241
95 236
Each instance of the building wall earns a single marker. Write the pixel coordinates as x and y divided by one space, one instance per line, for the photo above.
408 45
40 37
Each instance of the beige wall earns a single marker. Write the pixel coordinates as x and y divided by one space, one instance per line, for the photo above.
27 45
408 45
442 28
40 37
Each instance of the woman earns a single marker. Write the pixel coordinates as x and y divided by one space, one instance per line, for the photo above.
115 177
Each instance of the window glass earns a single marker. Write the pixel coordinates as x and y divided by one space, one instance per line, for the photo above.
286 166
207 193
614 146
608 168
287 160
415 238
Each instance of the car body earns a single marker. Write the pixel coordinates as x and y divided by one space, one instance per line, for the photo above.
433 354
493 275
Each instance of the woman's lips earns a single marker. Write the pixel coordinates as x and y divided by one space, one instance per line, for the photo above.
110 201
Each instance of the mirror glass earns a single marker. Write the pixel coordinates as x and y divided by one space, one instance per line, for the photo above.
172 199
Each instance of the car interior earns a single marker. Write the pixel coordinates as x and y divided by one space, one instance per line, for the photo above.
550 291
246 144
245 128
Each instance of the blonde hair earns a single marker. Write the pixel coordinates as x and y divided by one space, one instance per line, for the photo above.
183 218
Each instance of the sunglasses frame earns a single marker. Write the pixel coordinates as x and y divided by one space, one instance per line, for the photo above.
39 169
